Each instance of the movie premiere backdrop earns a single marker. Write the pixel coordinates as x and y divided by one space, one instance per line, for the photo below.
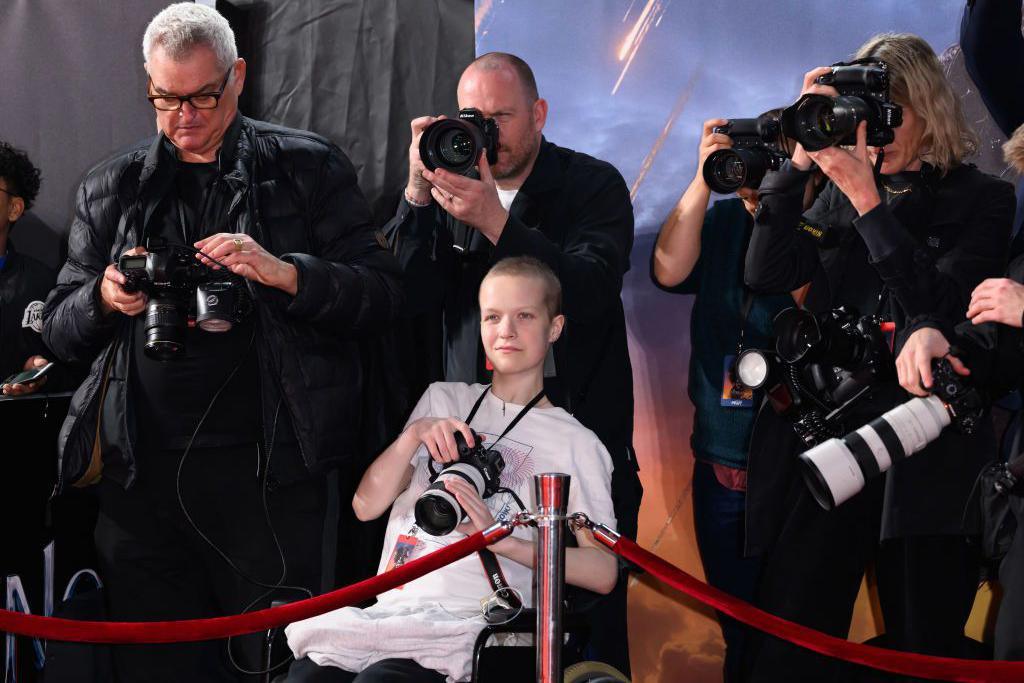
631 82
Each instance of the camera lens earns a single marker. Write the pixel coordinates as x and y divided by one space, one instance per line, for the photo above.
215 306
727 170
838 469
819 121
455 147
451 144
437 510
826 121
797 332
437 514
165 325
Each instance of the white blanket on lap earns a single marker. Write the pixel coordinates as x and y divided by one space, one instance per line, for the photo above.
353 639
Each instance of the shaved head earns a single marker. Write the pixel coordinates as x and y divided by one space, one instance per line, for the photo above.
495 61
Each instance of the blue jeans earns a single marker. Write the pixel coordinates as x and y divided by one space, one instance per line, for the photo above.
718 516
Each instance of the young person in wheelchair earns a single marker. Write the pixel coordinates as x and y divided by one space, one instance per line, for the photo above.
466 458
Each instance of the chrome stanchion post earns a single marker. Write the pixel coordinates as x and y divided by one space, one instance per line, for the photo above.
552 491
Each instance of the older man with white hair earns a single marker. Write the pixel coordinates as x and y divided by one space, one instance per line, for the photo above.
224 367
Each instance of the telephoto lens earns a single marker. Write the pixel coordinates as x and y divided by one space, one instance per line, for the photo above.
437 510
838 469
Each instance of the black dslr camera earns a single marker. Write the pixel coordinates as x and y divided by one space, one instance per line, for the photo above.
757 147
455 144
822 366
820 121
182 291
437 510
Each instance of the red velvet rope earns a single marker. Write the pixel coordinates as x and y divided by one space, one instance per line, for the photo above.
51 628
923 666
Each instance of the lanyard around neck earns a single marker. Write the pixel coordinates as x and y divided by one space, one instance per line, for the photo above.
476 406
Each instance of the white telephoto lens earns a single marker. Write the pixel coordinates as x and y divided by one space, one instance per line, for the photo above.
837 470
832 473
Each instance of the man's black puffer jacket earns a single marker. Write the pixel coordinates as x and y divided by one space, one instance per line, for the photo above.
297 195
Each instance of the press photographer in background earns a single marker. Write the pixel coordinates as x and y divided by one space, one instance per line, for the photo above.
700 251
24 281
214 445
911 240
487 442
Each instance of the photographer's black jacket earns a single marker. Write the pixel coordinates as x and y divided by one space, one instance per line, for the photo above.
24 284
297 195
574 213
918 256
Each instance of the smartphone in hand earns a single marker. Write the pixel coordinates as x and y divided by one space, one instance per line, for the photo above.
28 376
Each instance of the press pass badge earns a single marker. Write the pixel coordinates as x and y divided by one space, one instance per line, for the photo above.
405 546
735 394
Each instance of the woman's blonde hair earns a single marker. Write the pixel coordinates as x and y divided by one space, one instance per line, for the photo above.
917 79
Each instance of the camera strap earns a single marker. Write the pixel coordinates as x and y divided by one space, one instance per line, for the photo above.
476 406
748 302
496 577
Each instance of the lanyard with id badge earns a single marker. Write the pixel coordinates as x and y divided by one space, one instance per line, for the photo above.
735 394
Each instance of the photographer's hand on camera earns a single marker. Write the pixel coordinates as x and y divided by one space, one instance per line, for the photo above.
244 256
852 171
800 157
914 364
113 296
417 190
474 202
438 435
476 509
710 142
999 300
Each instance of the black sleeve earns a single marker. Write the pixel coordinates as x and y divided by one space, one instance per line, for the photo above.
422 242
351 281
595 254
74 327
941 287
993 48
779 259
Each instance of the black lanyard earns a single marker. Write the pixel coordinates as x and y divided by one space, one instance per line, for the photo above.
476 406
748 302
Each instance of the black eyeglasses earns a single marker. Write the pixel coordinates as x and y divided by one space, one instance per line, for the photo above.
203 100
9 193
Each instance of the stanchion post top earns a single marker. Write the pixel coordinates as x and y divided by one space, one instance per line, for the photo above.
552 489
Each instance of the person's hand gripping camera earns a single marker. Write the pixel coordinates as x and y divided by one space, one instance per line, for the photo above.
473 201
852 170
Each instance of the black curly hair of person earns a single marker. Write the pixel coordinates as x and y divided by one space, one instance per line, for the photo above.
21 176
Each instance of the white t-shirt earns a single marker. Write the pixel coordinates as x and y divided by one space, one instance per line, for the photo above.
506 197
545 440
432 619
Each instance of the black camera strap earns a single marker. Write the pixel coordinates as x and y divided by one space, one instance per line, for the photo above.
492 568
748 302
476 406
